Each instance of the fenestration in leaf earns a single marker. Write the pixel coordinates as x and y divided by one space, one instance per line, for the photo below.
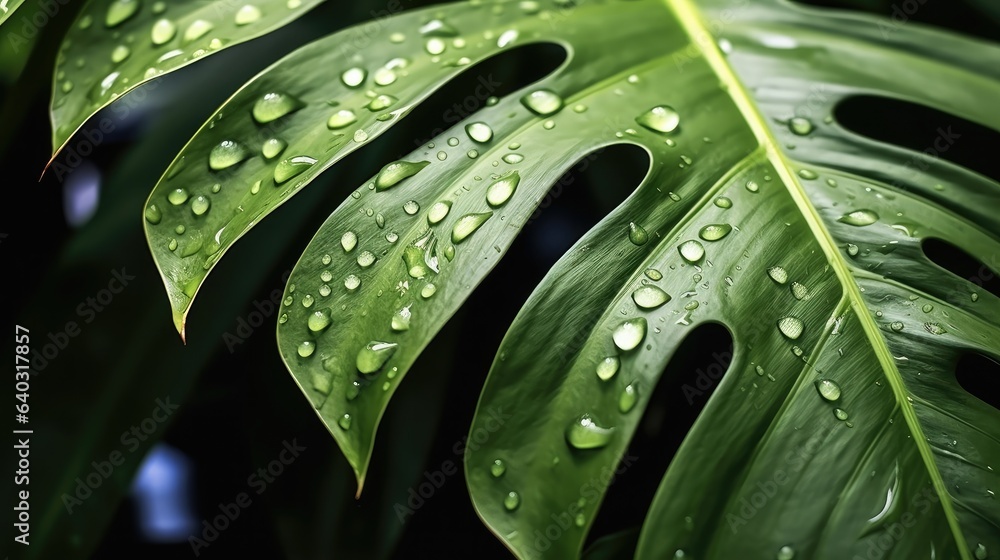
759 212
116 45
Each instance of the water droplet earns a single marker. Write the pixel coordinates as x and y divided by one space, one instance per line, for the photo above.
498 468
549 124
247 15
341 119
628 398
374 355
306 349
354 77
273 106
120 53
438 211
650 297
366 259
630 334
791 327
392 174
608 367
120 10
292 167
381 103
661 118
163 31
934 328
435 46
307 301
586 432
692 251
479 131
153 214
273 147
752 186
428 291
636 234
808 174
828 389
852 249
778 274
349 241
981 553
715 232
352 282
318 321
502 189
227 154
200 205
511 501
401 320
896 326
196 30
723 202
654 274
411 207
841 414
801 126
467 225
543 102
786 553
799 291
859 218
513 159
345 422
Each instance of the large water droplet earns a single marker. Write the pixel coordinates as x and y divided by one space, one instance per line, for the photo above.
374 355
715 232
354 77
227 154
307 349
628 398
543 102
273 106
660 119
630 334
636 234
778 274
692 251
178 196
366 259
438 211
200 205
318 321
291 167
828 389
247 15
586 432
352 282
608 367
859 218
392 174
650 297
467 225
120 10
341 119
799 291
479 131
502 189
163 31
791 327
349 241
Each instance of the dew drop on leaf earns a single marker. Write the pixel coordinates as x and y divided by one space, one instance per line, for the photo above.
511 501
292 167
273 106
828 389
227 154
374 355
650 297
715 232
661 118
778 274
692 251
498 468
479 131
630 334
791 327
393 173
467 225
349 241
543 102
859 218
586 432
628 398
502 189
608 367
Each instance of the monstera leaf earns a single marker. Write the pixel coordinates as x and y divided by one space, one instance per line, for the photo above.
839 429
117 45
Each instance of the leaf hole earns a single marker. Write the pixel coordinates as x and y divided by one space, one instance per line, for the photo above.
955 260
979 375
961 16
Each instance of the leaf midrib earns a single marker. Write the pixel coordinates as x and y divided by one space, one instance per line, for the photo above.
691 21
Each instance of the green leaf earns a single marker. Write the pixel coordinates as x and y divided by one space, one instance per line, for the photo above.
116 45
7 8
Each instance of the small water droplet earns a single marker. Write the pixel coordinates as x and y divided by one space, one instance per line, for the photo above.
119 11
934 328
196 30
981 552
392 174
715 232
778 274
272 147
349 241
163 30
401 319
467 225
354 77
636 234
513 159
799 291
306 349
273 106
752 186
227 154
852 249
352 282
502 189
629 397
247 15
153 214
318 321
366 259
428 291
479 131
608 367
786 553
630 334
791 327
586 432
292 167
511 501
381 103
200 205
692 251
438 211
650 297
543 102
374 355
307 301
723 202
661 118
345 422
498 468
654 274
808 174
840 414
341 119
801 126
828 389
896 326
859 218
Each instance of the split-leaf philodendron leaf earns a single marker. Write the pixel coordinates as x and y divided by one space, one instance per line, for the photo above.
116 45
759 212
